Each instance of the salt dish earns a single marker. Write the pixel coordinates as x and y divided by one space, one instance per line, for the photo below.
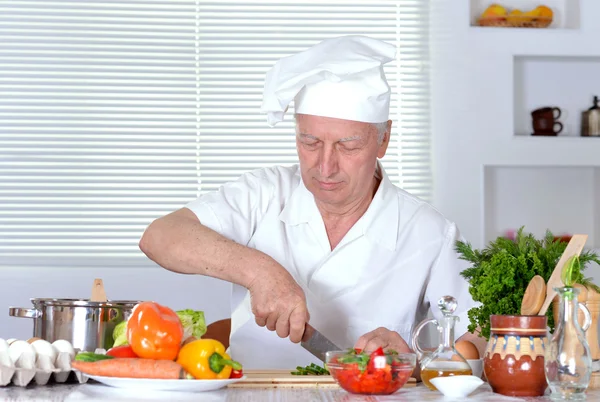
458 386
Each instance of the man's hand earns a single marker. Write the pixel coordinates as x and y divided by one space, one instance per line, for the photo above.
384 338
278 303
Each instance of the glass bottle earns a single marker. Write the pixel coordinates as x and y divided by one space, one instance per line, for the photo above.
568 362
445 360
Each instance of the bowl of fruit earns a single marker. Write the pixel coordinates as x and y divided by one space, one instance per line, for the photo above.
496 15
377 373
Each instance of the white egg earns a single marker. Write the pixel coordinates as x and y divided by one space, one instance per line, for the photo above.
64 346
3 345
45 348
63 361
17 348
43 363
11 340
26 360
5 360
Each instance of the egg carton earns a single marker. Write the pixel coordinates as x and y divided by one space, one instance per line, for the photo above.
22 365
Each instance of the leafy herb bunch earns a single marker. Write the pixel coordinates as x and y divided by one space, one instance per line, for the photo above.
501 272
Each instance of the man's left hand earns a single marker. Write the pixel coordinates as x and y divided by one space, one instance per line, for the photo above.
384 338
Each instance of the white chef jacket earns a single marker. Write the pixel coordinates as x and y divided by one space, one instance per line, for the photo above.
395 262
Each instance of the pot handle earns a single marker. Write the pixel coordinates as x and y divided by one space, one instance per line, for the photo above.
22 312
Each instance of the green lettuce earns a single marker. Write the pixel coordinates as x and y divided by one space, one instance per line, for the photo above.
120 334
193 323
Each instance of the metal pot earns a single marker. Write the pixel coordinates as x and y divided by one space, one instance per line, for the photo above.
87 325
590 121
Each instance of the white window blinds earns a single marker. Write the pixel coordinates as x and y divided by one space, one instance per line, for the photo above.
113 113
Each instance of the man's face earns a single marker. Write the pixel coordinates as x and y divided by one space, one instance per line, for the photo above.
338 157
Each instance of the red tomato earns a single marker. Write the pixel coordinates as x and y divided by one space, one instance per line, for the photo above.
121 351
377 360
236 374
381 381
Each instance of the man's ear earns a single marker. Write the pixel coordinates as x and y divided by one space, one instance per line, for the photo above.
386 141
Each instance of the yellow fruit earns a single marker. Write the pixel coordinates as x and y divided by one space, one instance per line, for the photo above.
498 9
494 10
545 12
531 15
515 16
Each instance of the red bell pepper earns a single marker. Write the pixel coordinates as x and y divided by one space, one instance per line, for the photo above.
154 331
121 351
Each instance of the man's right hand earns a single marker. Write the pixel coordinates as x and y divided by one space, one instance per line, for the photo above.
278 303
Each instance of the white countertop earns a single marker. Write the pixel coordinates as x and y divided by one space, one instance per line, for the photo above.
92 391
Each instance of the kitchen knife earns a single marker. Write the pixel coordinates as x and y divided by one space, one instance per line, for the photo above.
317 343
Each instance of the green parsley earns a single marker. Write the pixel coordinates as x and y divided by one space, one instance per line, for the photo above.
501 272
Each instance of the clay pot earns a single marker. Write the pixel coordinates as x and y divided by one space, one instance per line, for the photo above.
514 358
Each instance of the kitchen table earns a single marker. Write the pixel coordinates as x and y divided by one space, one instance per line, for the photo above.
97 392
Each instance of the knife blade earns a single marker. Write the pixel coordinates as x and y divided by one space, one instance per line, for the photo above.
317 343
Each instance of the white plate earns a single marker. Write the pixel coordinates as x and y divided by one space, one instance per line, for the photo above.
149 384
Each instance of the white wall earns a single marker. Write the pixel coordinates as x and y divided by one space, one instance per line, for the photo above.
482 79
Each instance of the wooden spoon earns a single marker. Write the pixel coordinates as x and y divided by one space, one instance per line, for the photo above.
534 296
574 248
98 293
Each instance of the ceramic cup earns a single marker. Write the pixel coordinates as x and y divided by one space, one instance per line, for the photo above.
545 121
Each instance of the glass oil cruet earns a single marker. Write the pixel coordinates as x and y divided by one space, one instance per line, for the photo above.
444 361
568 361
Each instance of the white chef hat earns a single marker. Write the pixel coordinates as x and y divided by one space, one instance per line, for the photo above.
340 77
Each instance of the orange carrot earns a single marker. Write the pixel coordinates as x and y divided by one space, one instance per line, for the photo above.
132 368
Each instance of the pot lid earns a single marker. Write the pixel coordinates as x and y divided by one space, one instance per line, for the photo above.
42 302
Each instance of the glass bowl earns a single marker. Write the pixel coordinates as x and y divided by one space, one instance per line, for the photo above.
361 373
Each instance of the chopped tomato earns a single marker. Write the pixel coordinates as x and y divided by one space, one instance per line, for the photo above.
382 381
377 360
121 351
378 373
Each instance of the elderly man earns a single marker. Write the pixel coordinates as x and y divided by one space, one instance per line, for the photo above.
331 240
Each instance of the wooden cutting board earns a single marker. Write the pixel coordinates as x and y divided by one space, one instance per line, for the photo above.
284 379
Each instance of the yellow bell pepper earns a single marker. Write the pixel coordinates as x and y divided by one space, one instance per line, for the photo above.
205 359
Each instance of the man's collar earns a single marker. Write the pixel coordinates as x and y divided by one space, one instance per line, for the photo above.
383 215
300 207
379 223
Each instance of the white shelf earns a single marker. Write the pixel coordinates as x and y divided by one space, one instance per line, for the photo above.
517 151
566 12
565 200
494 78
569 83
533 42
559 140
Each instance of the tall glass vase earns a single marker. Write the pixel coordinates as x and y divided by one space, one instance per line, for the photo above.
568 362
